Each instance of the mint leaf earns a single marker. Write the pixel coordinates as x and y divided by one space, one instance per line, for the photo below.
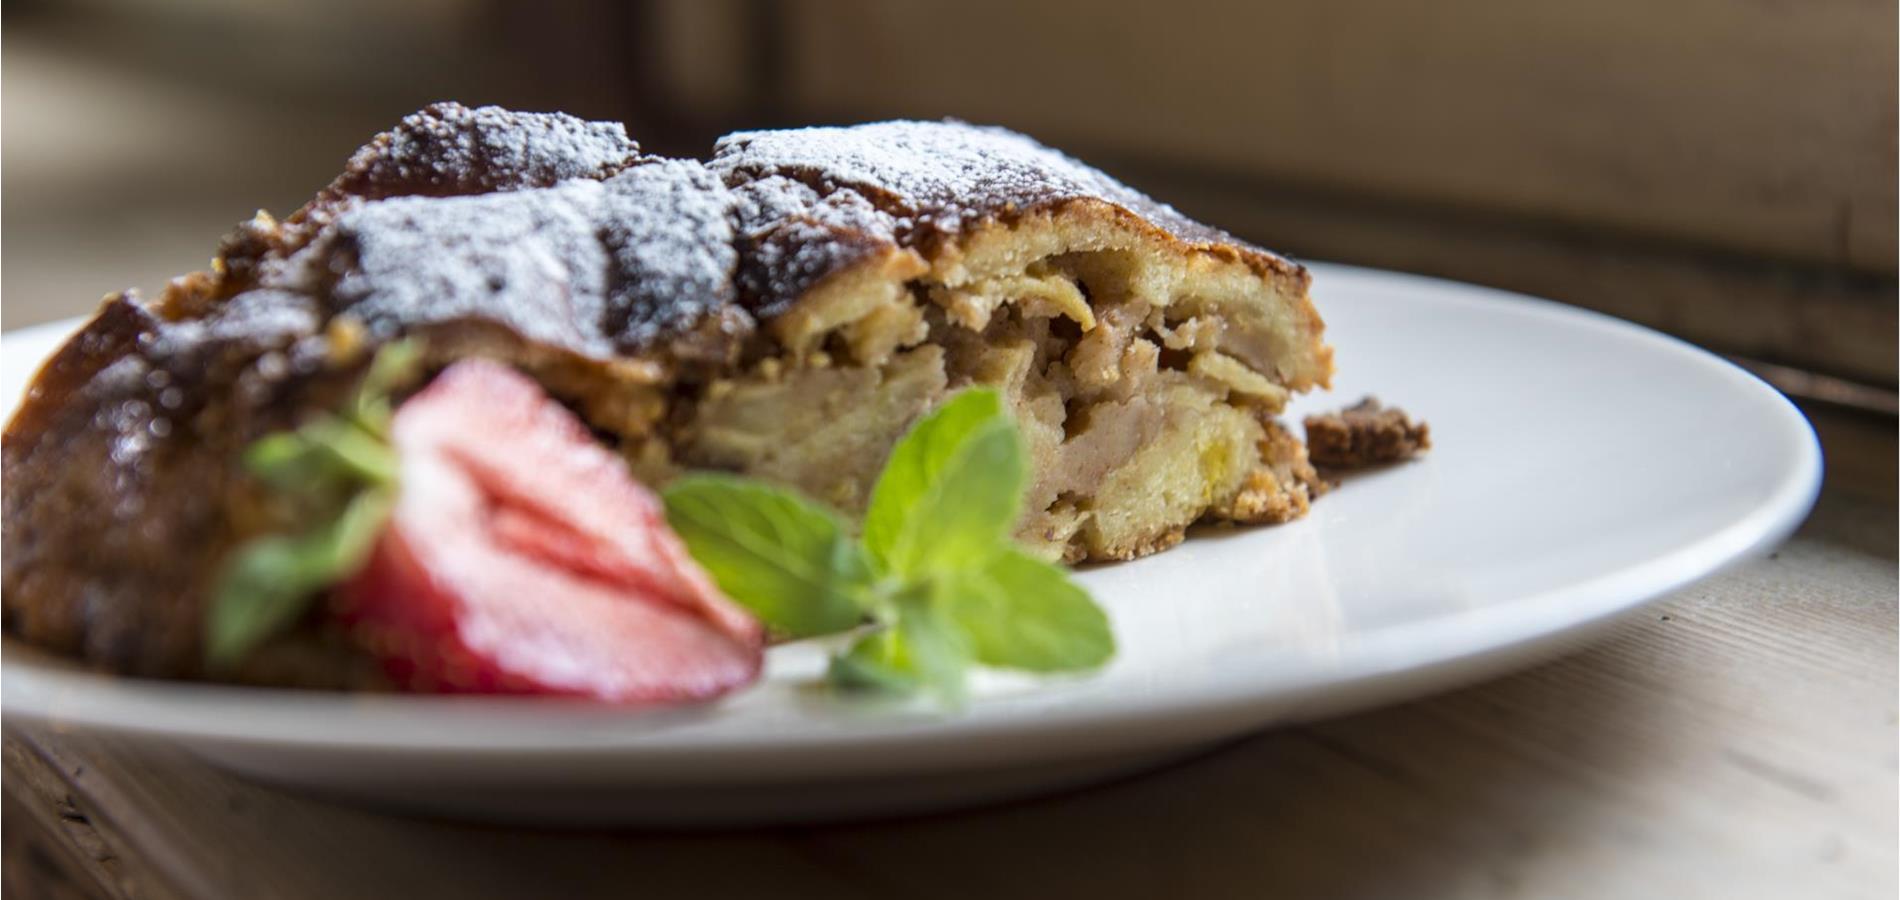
324 454
395 364
269 581
784 558
921 650
342 466
330 449
290 462
878 661
360 454
1022 613
952 490
937 649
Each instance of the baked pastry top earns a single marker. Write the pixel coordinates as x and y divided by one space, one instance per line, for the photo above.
784 309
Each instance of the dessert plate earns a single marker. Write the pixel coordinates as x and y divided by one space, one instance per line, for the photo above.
1583 466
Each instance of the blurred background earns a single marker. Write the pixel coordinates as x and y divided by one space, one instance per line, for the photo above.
1722 169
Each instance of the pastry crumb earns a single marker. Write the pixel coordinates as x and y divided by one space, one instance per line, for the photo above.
1365 434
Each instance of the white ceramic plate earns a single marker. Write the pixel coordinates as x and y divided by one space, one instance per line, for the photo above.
1584 466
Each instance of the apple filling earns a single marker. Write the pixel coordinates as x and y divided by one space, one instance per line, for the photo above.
1145 407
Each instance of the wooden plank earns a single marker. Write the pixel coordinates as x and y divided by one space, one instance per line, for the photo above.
43 860
216 836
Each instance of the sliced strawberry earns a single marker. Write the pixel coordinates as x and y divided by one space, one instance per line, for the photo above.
523 558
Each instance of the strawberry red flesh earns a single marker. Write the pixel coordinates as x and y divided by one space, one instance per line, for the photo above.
522 557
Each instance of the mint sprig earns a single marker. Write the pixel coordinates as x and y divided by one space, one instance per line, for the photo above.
1019 612
269 582
339 471
951 491
798 568
936 574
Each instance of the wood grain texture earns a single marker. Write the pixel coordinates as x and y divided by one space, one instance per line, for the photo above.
1735 741
51 851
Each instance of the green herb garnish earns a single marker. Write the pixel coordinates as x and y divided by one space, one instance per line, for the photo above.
339 472
936 573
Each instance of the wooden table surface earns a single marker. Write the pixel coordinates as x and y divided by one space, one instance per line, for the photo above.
1735 740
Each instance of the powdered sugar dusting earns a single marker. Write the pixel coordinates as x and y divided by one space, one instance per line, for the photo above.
597 267
448 148
936 176
571 241
669 228
568 238
767 202
263 317
528 260
793 236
